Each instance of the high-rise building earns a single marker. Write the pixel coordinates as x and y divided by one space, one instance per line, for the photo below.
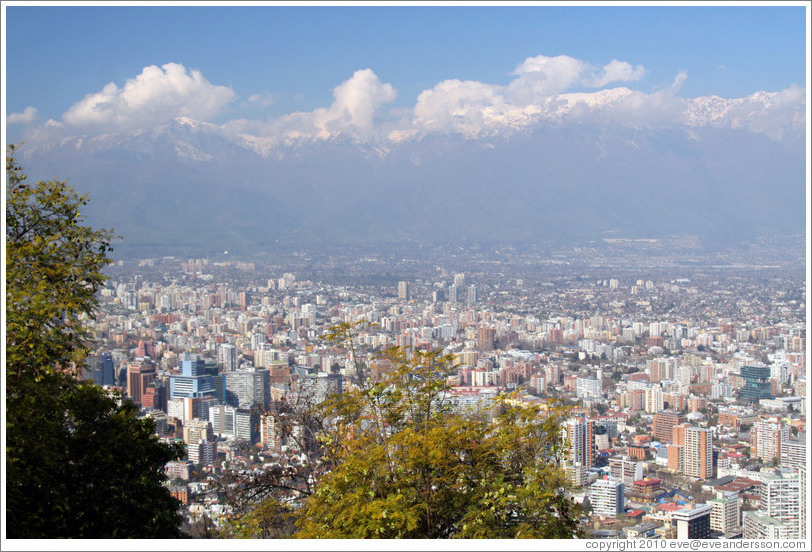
654 399
725 512
756 383
459 280
155 395
698 452
202 453
693 522
104 372
472 295
626 470
766 437
270 431
758 525
139 373
228 356
793 454
403 291
194 430
248 388
580 433
485 338
607 497
191 383
588 388
663 424
781 500
240 424
662 369
454 293
802 490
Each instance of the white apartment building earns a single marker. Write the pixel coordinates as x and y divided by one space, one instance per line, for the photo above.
625 469
607 497
725 512
781 500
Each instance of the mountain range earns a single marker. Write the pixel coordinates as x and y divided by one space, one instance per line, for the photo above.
189 187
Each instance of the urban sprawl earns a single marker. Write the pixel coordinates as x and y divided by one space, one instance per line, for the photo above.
688 394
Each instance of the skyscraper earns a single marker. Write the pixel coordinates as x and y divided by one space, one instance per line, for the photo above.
139 373
472 295
403 291
248 388
766 437
725 512
781 500
104 373
698 452
190 383
228 356
580 434
485 337
756 383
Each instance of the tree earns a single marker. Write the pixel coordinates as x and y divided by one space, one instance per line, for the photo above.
79 463
404 463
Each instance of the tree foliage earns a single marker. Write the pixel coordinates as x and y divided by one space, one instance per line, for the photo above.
399 460
79 463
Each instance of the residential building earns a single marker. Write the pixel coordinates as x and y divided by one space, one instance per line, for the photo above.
698 452
693 522
580 434
663 425
766 436
725 512
607 497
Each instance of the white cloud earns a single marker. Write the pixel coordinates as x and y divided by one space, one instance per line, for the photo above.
455 106
543 89
28 115
156 95
354 111
356 103
262 100
541 76
615 71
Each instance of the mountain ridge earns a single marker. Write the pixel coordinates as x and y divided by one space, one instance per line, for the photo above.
187 185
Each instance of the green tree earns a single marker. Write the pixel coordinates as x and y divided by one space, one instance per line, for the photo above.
405 464
79 463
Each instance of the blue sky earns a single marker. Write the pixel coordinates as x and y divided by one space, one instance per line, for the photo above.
289 59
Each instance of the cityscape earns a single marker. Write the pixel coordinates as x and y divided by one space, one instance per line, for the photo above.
532 274
689 406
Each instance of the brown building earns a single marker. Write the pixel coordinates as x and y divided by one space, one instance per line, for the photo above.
647 487
637 452
663 425
698 453
139 375
485 338
180 493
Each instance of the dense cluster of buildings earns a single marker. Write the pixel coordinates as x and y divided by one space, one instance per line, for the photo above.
683 426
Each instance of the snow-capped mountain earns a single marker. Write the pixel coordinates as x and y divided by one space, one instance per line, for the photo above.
188 185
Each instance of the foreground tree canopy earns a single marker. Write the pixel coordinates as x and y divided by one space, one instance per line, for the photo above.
79 463
398 461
